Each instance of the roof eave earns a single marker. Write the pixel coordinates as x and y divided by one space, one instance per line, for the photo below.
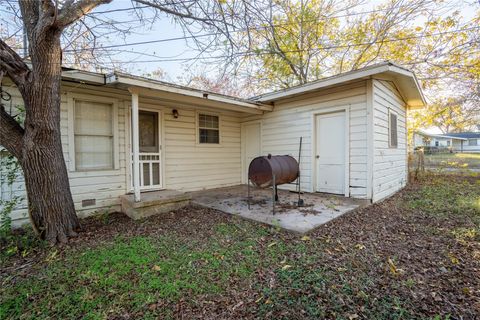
413 94
199 95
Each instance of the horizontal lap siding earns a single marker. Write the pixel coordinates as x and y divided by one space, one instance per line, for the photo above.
292 119
389 164
104 187
192 166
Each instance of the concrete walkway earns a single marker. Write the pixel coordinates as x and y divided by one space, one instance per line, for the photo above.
318 209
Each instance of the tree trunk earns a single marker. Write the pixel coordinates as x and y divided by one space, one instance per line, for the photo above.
51 207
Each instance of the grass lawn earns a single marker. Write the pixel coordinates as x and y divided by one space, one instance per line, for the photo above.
453 160
416 255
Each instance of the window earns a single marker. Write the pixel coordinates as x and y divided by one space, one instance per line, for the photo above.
448 143
393 135
472 142
208 129
93 135
437 143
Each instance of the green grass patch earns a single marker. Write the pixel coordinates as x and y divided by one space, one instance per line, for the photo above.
453 160
443 197
275 273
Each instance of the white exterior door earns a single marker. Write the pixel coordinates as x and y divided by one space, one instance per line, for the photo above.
330 153
251 145
150 150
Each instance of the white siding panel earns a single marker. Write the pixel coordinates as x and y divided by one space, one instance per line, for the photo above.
293 118
389 164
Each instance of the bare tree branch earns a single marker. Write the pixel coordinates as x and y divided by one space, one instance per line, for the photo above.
72 11
12 65
11 133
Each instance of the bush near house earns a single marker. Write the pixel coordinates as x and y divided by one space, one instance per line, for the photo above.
415 255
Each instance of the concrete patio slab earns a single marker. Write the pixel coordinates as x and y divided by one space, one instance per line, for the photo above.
318 209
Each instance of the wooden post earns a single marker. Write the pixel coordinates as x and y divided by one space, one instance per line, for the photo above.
135 145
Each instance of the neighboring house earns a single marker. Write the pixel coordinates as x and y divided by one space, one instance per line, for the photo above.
465 141
353 127
456 142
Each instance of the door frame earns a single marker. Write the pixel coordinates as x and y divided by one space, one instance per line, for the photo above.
161 141
346 113
244 176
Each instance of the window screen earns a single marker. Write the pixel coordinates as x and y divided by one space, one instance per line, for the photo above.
93 131
393 130
208 127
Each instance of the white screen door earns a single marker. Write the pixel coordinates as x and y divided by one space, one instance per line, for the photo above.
330 153
251 145
150 150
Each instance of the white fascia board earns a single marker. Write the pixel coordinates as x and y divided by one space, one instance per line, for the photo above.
83 76
143 83
386 68
345 77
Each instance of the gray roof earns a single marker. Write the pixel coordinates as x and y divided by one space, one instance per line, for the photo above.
465 135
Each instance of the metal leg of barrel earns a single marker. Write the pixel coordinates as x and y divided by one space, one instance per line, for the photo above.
274 195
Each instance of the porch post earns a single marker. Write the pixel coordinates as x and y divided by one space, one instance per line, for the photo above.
135 145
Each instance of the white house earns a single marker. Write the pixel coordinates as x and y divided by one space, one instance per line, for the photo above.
455 142
124 134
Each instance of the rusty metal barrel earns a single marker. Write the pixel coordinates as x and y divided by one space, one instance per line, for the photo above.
262 169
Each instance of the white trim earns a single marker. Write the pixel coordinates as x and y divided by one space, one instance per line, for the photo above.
161 123
161 147
314 114
370 136
71 97
243 146
409 83
198 112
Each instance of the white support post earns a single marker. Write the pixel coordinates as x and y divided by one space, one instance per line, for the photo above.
135 145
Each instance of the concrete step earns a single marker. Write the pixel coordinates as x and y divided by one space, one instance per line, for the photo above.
153 202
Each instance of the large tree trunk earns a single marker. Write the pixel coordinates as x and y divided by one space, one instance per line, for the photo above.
51 207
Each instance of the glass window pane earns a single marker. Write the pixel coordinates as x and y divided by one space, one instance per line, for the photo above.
209 136
146 174
208 121
93 118
156 173
93 152
148 128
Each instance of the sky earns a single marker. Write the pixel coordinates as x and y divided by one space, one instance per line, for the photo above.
143 59
165 28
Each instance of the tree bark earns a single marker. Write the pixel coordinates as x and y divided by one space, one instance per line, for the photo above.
51 207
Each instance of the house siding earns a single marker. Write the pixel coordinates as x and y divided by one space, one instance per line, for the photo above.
294 118
191 166
188 166
389 164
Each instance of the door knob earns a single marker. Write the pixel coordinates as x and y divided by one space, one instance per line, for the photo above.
317 156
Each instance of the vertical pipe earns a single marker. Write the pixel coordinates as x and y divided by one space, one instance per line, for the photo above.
274 196
135 146
299 172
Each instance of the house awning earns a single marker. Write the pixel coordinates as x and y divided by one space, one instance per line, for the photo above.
180 94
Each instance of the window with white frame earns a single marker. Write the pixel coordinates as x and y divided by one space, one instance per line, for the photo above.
93 135
472 142
208 129
392 129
